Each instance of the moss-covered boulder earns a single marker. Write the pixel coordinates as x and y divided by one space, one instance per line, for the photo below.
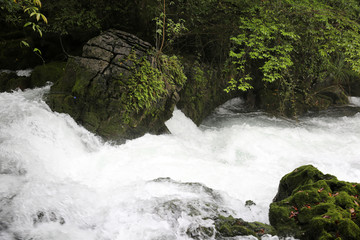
313 205
44 73
232 227
119 89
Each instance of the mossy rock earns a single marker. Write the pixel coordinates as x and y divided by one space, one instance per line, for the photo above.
313 205
11 81
204 89
119 89
50 72
232 227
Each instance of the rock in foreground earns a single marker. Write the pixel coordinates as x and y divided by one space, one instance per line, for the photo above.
312 205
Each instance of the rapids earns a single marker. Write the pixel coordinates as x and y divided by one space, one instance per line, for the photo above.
60 182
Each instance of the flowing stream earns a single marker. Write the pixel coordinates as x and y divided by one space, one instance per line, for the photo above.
60 182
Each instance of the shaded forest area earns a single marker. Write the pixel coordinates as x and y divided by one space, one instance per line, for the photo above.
284 56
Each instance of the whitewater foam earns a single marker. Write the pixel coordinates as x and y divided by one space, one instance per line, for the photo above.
58 181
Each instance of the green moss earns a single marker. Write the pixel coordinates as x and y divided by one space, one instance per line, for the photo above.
299 177
319 206
231 227
349 230
10 81
91 120
172 70
50 72
17 82
148 85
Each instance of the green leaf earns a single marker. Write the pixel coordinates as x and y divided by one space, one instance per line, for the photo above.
36 50
24 43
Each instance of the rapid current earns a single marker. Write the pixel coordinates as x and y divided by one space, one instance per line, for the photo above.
60 182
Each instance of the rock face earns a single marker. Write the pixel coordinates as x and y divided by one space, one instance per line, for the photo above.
204 90
118 89
312 205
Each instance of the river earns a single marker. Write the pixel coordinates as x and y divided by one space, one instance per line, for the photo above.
60 182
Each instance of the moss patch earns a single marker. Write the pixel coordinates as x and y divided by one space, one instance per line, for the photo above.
231 227
312 205
50 72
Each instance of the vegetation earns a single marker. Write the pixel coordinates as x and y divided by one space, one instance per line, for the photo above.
285 56
31 17
296 45
295 53
148 84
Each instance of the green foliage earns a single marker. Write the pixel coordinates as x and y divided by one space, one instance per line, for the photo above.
147 85
296 44
167 28
31 8
68 16
172 70
19 11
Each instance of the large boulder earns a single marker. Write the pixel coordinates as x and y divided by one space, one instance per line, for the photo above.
120 88
312 205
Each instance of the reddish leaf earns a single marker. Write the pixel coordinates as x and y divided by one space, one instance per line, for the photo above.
321 189
293 214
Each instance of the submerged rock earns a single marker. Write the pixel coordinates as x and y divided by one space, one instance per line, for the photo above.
10 81
38 77
119 89
312 205
232 227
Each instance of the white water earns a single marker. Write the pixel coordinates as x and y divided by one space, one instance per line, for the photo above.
60 182
20 73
